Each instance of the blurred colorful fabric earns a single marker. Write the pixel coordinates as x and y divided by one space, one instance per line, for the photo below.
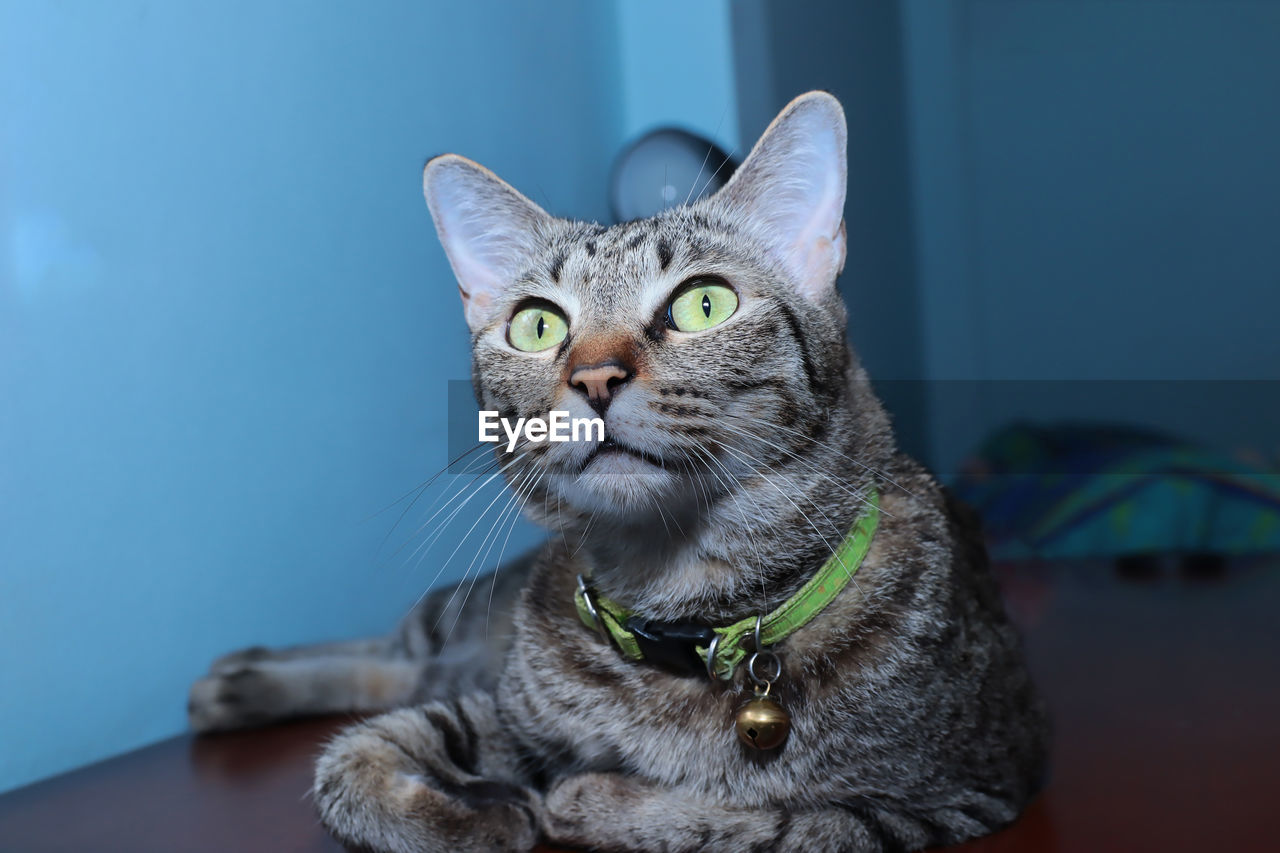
1100 490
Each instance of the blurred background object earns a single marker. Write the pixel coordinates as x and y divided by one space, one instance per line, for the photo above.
665 168
226 329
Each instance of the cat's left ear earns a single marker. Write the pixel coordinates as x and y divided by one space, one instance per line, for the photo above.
488 229
791 189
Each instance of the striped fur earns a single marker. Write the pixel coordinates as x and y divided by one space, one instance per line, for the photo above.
914 719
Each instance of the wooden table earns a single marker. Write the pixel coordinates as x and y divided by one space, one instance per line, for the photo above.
1165 690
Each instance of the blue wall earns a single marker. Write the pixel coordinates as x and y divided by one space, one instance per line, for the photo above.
226 323
676 62
1095 194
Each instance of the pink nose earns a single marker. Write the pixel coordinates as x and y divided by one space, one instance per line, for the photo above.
599 381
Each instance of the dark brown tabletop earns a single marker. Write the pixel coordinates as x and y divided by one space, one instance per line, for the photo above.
1164 687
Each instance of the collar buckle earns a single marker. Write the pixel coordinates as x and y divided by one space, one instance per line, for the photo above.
671 645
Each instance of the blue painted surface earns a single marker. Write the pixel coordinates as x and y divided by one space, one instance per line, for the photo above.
1095 190
226 324
677 69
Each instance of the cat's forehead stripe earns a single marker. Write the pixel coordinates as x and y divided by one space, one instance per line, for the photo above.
664 253
557 263
646 252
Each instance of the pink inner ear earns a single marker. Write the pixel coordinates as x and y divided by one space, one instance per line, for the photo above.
476 279
478 284
792 190
486 227
819 265
805 231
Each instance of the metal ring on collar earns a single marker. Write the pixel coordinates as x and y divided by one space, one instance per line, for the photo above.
751 668
591 609
711 657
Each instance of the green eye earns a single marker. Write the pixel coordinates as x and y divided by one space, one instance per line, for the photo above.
702 306
536 328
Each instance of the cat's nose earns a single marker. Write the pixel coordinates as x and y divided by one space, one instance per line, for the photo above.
599 382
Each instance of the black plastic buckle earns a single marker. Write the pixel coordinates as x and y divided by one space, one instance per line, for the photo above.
672 645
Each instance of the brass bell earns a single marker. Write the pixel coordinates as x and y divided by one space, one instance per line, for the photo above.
762 723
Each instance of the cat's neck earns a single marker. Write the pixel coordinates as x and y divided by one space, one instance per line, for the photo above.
752 547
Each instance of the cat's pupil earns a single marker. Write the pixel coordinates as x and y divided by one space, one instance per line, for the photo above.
542 324
706 305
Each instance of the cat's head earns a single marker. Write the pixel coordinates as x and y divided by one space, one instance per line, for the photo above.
709 338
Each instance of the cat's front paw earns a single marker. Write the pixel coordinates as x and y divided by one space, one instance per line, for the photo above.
233 698
370 793
575 807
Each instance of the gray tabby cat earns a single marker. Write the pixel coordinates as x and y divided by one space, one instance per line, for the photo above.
743 442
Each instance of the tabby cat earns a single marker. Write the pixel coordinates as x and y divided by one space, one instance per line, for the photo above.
743 445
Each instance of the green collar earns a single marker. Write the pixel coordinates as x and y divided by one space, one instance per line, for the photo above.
723 648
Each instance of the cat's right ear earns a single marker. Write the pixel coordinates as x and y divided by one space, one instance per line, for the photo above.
489 231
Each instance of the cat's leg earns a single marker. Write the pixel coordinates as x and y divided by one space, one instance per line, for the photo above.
451 642
440 776
368 647
334 678
609 811
256 692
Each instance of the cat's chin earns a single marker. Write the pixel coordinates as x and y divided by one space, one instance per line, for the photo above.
619 481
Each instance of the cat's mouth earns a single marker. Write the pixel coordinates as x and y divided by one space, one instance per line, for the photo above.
611 447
